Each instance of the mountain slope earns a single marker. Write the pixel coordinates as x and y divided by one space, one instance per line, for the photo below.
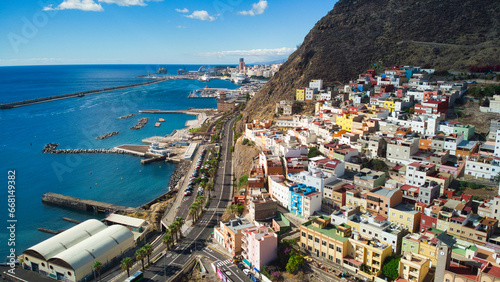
355 35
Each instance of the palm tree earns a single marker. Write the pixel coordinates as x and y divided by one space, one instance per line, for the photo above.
210 186
140 255
168 240
233 209
149 250
173 231
196 205
97 267
192 212
180 221
126 264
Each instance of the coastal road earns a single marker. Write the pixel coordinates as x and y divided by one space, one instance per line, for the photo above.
174 260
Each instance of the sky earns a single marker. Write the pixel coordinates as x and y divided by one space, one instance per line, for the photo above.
50 32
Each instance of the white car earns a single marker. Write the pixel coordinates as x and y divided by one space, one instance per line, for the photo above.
246 271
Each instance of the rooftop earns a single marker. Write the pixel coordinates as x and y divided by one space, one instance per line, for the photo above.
329 230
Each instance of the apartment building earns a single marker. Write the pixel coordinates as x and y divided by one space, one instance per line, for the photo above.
369 252
368 179
381 199
279 190
259 246
401 150
405 215
228 234
304 200
413 267
318 237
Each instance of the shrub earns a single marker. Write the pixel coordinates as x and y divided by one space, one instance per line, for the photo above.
390 267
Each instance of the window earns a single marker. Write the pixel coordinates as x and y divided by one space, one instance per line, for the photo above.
310 237
401 216
324 243
331 246
422 249
337 261
316 240
330 257
309 248
339 249
323 254
303 245
303 234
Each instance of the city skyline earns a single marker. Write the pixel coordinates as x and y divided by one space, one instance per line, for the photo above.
58 32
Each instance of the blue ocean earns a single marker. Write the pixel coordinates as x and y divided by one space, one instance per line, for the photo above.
74 123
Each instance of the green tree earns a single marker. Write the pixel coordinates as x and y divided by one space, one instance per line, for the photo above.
231 149
232 209
243 181
294 263
390 267
378 165
192 210
149 250
180 221
172 229
126 264
97 267
168 240
314 152
140 255
240 208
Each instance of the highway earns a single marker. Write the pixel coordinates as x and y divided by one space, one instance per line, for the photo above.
174 259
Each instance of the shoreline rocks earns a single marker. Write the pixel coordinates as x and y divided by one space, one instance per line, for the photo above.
180 170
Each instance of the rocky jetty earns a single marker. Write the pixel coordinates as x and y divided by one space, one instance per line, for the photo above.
51 148
107 135
142 122
127 116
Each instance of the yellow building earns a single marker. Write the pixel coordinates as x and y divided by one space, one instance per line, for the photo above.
406 215
345 121
370 253
353 199
318 237
300 94
413 267
389 104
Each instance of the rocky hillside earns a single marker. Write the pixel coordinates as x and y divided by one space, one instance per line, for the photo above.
357 35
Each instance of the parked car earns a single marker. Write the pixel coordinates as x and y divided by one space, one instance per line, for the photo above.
246 271
254 279
241 266
187 193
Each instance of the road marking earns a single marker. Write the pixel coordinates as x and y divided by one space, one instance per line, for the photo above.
218 204
221 263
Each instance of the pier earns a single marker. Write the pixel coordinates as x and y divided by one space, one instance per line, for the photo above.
76 94
84 205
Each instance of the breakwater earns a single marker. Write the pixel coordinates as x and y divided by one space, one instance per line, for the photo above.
142 122
76 94
51 148
83 204
127 116
107 135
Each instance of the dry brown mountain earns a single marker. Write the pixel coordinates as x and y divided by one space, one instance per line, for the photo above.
355 35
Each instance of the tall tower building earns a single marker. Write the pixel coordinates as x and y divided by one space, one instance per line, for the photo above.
242 64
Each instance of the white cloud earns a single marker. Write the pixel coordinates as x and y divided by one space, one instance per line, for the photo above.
201 15
257 9
181 26
125 3
185 10
84 5
254 52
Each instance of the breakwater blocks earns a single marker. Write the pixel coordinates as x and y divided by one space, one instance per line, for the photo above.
83 204
142 122
127 116
107 135
51 148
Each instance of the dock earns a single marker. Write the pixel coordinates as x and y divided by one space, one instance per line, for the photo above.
84 205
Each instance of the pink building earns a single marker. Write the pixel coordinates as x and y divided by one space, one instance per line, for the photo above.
259 246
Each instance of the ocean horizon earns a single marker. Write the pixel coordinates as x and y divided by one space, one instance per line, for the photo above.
74 123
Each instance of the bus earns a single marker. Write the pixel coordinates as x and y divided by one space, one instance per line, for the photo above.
138 276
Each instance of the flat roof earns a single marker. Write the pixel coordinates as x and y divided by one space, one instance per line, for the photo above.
125 220
329 230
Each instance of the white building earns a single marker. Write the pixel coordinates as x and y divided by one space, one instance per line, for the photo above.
314 177
259 246
416 173
316 84
497 143
70 255
484 167
279 190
